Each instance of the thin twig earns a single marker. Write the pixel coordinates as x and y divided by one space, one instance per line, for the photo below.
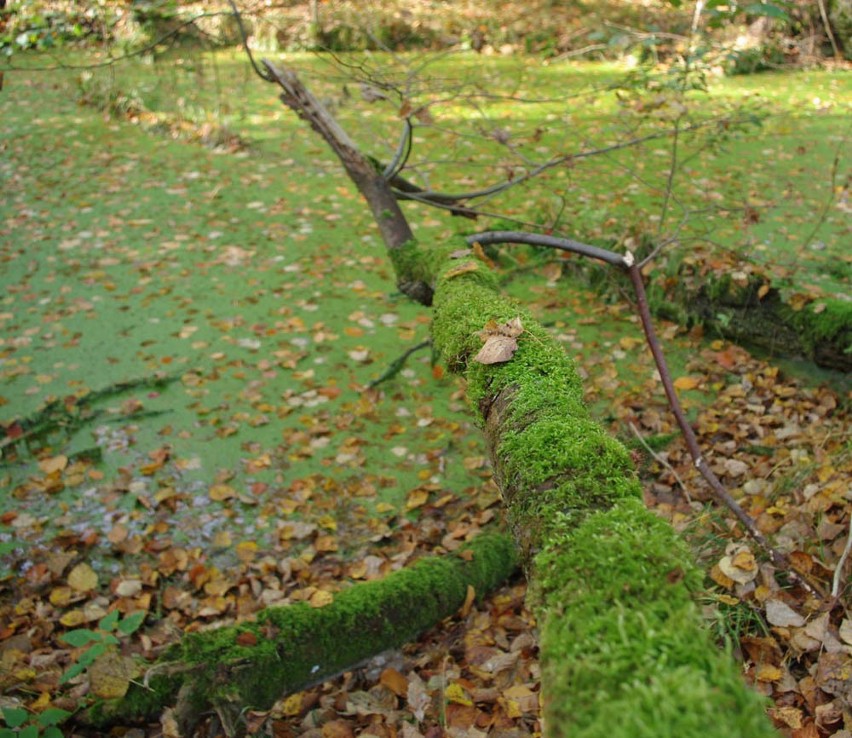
660 460
403 151
244 38
397 364
838 570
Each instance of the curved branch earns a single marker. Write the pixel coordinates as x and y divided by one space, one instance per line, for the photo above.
561 244
403 151
244 38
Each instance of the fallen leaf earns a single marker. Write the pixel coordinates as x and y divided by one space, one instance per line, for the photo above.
82 578
497 350
110 675
687 383
782 615
54 464
394 681
321 598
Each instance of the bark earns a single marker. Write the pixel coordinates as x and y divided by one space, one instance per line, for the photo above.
290 648
623 648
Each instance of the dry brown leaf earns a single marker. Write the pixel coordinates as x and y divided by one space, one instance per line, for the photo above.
497 350
782 615
739 564
417 697
394 681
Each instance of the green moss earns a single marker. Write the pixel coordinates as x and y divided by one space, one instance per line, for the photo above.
287 648
833 323
413 262
624 650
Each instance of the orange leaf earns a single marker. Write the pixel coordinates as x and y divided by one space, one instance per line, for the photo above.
687 383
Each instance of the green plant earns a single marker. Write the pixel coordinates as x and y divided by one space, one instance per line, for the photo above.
99 640
19 723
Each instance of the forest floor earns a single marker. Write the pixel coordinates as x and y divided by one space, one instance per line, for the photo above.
195 303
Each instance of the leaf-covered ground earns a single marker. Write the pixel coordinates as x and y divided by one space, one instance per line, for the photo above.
189 335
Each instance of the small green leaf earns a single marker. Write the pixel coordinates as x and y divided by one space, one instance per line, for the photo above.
88 657
71 672
80 637
53 716
109 621
15 716
110 640
52 732
31 731
8 733
766 9
131 623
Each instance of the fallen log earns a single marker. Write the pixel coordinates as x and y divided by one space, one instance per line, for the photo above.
290 648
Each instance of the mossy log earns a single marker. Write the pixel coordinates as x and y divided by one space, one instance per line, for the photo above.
289 648
624 650
820 331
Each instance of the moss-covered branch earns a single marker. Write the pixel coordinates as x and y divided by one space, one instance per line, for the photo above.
286 649
623 648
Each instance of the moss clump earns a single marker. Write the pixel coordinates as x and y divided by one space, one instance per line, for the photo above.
832 324
289 648
624 651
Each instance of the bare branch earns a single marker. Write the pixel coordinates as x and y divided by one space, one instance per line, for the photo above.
562 244
244 38
566 158
403 151
660 460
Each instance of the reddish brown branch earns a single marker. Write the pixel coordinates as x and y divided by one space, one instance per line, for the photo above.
628 264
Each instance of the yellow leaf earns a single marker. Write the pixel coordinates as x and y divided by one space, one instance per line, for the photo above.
221 492
687 383
416 498
61 596
463 268
321 598
292 706
73 618
768 673
246 551
54 464
468 600
82 578
456 693
110 675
